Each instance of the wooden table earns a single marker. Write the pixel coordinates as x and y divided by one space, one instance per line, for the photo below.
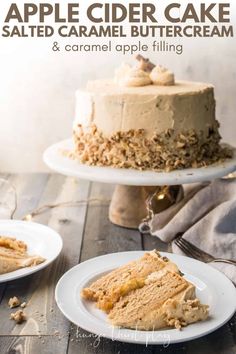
86 233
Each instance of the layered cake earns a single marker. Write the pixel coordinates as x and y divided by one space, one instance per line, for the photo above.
144 119
146 294
13 255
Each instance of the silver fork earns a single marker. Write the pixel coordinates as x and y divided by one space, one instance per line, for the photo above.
192 251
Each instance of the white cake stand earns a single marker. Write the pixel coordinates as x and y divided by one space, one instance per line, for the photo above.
128 205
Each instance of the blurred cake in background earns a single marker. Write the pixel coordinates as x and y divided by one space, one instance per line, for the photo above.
144 119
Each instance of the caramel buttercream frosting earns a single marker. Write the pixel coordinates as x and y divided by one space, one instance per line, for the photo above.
144 118
13 255
121 72
135 78
147 294
162 76
145 73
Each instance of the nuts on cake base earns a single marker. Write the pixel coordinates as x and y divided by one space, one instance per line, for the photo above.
161 152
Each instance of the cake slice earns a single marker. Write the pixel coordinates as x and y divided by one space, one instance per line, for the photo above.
146 294
13 255
165 301
107 290
147 120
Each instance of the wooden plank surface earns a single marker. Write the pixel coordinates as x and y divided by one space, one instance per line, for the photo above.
32 345
28 189
44 318
86 233
101 237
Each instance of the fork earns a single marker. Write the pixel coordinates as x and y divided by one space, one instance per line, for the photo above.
192 251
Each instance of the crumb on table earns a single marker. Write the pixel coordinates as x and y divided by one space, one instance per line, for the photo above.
18 316
13 302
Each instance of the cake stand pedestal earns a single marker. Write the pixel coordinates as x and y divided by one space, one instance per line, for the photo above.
128 206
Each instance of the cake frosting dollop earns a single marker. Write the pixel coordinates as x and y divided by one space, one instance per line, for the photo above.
162 76
135 77
128 76
121 72
144 119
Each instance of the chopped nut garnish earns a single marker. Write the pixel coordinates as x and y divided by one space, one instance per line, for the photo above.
23 305
19 316
161 152
144 63
13 302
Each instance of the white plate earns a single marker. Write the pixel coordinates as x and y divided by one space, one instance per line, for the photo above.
40 239
212 288
54 159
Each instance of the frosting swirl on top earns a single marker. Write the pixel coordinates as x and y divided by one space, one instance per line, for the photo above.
122 72
129 76
162 76
135 77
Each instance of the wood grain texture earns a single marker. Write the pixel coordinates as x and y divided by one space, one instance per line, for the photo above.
86 233
29 188
100 236
33 345
151 242
38 289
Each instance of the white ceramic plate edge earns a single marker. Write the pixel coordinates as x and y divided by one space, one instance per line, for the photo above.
23 272
59 163
182 338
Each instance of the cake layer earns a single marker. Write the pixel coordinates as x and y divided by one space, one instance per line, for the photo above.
13 255
147 294
167 302
109 288
132 309
145 119
180 107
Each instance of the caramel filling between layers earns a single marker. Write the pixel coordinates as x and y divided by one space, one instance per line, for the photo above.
107 290
147 294
165 151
